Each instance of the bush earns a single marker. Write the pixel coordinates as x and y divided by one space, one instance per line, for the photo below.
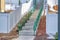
19 26
56 36
24 20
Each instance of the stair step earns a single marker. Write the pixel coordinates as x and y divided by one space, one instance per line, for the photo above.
27 27
29 24
30 20
26 33
33 18
26 37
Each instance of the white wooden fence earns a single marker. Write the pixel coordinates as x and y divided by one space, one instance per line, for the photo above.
9 20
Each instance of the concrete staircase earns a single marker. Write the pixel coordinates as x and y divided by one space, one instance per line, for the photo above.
27 32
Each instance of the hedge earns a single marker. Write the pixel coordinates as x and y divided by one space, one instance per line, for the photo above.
24 20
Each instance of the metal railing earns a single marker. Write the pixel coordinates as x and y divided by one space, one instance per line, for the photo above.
36 23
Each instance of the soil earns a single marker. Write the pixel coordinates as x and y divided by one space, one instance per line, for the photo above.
41 31
9 36
42 26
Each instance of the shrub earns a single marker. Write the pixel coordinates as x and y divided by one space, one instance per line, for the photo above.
24 20
56 36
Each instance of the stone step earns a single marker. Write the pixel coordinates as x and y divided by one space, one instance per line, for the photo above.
29 24
26 37
27 28
33 18
30 21
26 33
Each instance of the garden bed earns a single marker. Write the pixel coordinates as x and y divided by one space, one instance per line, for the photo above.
42 26
24 20
41 31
